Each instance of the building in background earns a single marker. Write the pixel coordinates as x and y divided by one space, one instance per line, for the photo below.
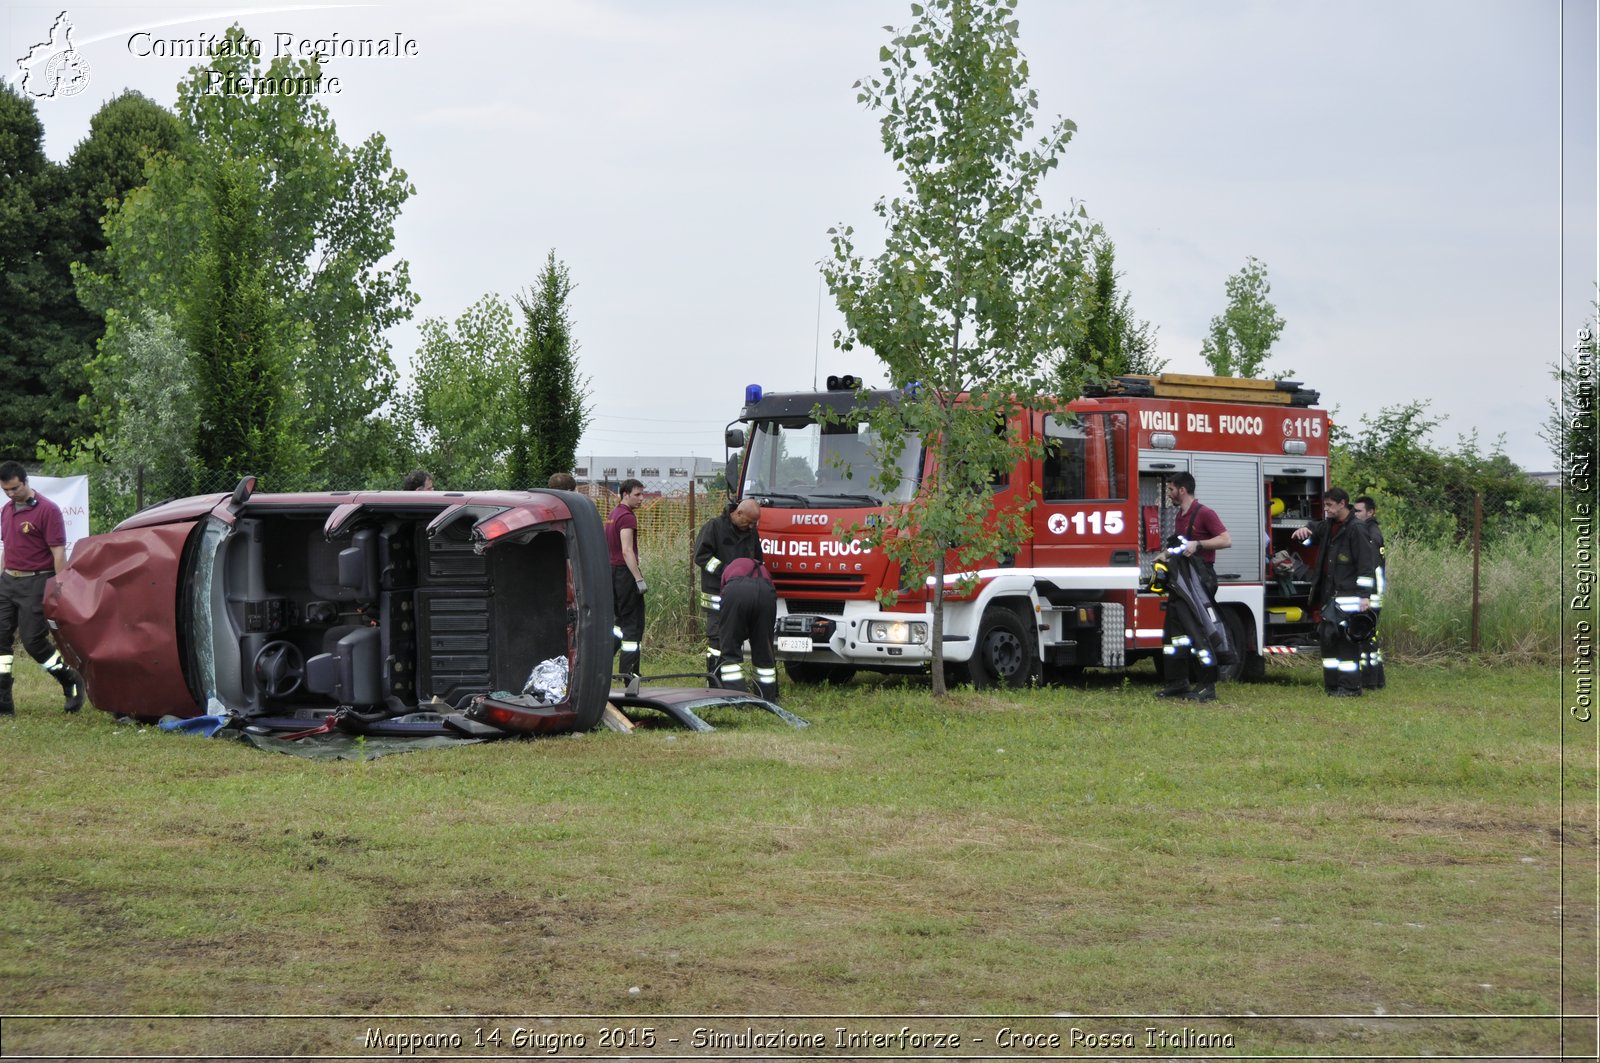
660 475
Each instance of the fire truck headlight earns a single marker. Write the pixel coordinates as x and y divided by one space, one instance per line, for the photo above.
898 632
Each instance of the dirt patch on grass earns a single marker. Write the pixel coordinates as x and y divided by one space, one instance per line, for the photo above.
464 914
1427 820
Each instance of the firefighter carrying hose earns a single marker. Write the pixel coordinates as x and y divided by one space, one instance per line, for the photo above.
1346 582
1187 660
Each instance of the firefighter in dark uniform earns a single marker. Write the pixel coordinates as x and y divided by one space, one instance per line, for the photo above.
1366 512
723 539
749 611
1190 669
1346 581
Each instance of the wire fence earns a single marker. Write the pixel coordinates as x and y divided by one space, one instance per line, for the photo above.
1473 572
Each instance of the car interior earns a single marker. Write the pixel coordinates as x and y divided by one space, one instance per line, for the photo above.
386 616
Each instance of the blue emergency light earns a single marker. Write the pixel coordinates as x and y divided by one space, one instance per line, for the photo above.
752 394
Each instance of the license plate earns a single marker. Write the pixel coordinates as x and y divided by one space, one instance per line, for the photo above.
794 644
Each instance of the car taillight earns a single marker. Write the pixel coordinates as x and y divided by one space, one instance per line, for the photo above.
493 528
531 719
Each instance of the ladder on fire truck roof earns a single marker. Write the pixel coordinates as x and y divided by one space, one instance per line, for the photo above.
1208 389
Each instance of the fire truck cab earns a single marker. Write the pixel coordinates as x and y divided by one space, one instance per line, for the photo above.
1076 593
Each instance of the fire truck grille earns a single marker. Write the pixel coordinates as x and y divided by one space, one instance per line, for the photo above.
814 606
829 583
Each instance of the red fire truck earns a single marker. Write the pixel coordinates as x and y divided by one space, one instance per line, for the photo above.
1076 594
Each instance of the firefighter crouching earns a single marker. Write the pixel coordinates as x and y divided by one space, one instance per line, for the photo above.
749 610
723 539
1346 583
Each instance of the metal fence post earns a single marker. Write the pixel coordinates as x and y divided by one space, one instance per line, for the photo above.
1477 550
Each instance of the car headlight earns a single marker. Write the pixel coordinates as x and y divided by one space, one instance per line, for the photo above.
898 632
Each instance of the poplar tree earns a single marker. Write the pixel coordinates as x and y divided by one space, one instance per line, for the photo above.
970 303
1242 336
554 394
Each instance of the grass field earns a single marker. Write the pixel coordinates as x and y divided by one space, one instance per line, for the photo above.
1061 854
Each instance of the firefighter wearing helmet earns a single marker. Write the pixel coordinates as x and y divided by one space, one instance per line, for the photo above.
1346 583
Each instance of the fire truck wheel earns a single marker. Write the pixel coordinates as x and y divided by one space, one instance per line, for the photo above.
1251 665
1004 655
812 673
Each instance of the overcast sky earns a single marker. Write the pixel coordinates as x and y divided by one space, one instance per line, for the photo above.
1403 168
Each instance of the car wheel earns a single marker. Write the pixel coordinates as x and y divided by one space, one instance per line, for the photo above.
813 673
1004 655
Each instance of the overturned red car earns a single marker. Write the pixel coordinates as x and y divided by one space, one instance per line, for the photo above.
354 610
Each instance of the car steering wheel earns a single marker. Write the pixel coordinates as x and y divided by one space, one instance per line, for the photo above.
280 667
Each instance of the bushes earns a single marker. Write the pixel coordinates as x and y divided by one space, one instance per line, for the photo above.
1428 607
672 609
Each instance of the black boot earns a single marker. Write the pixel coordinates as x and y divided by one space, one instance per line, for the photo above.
7 706
72 688
1202 692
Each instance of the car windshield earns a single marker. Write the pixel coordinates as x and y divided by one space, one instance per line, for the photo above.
201 584
797 461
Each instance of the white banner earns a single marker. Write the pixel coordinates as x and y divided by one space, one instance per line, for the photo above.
71 493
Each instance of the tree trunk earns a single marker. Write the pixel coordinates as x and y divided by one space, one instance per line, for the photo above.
937 634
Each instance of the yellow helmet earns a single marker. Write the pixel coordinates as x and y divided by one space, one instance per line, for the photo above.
1277 507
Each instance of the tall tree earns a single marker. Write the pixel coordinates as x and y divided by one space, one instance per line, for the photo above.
124 135
1242 336
465 401
245 398
49 221
555 411
971 301
1111 341
327 212
30 335
156 420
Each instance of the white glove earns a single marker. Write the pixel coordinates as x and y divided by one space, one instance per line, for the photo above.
642 586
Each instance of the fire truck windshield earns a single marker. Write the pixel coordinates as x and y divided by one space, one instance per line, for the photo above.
796 461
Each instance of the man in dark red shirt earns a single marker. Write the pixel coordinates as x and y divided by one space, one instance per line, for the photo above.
749 608
1190 668
33 546
627 578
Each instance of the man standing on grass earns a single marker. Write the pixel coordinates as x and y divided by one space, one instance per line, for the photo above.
33 547
627 578
1366 512
1346 581
1187 661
